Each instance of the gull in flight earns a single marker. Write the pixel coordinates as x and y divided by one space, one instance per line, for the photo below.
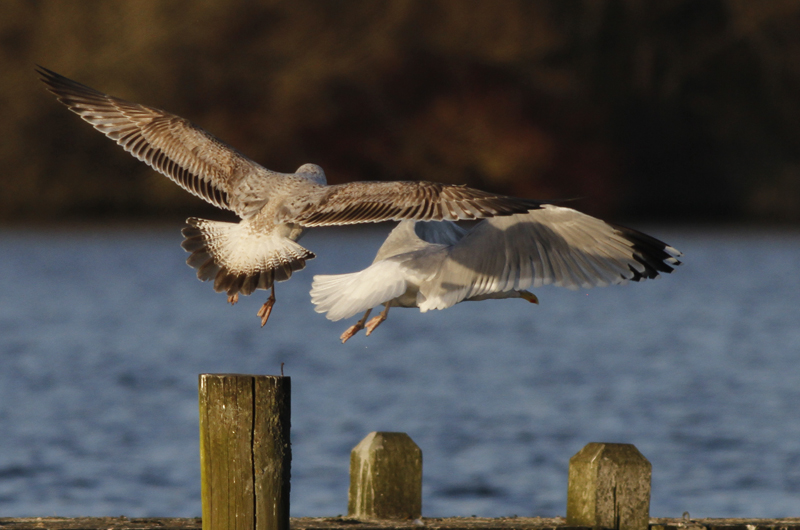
275 208
437 265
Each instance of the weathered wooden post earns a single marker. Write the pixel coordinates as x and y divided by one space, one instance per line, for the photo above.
609 487
386 477
245 453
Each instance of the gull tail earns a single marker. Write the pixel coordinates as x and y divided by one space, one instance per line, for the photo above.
344 295
238 259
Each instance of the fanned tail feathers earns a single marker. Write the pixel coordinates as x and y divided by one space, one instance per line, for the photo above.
344 295
239 260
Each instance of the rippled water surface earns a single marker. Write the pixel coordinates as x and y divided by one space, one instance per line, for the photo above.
103 334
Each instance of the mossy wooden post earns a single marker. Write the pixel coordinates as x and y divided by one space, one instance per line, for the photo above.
609 487
385 477
245 455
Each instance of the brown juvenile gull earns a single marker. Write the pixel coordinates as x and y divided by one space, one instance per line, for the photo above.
437 265
275 208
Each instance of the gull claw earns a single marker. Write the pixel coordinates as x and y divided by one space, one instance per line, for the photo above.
266 309
376 321
355 328
351 331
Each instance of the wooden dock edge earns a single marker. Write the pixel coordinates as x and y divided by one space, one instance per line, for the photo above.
348 523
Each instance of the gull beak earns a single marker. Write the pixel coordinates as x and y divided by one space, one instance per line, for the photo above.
530 297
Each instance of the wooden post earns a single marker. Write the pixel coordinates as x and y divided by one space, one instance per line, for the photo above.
386 477
245 454
609 486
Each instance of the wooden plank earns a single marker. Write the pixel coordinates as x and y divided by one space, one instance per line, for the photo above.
272 452
386 477
609 486
347 523
245 455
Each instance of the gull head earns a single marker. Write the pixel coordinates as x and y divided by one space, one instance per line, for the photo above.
529 296
312 172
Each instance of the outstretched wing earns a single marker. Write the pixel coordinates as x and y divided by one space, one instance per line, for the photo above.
444 233
372 202
188 155
551 245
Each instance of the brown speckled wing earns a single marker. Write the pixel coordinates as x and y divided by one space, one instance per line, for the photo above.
365 202
173 146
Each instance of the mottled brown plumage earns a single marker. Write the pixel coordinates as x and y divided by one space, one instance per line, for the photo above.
275 208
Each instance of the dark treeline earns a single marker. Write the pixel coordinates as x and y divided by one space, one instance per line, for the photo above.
667 110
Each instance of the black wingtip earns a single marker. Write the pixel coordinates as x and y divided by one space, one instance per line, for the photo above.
48 76
63 86
655 255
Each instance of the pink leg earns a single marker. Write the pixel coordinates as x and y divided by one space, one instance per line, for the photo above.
266 309
375 322
355 328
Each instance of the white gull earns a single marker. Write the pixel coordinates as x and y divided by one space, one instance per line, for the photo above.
275 208
437 265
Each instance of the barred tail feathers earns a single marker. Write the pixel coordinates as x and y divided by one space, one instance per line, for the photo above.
239 260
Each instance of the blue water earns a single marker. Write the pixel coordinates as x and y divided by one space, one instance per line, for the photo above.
103 334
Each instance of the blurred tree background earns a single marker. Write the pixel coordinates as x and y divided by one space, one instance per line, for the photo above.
662 110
